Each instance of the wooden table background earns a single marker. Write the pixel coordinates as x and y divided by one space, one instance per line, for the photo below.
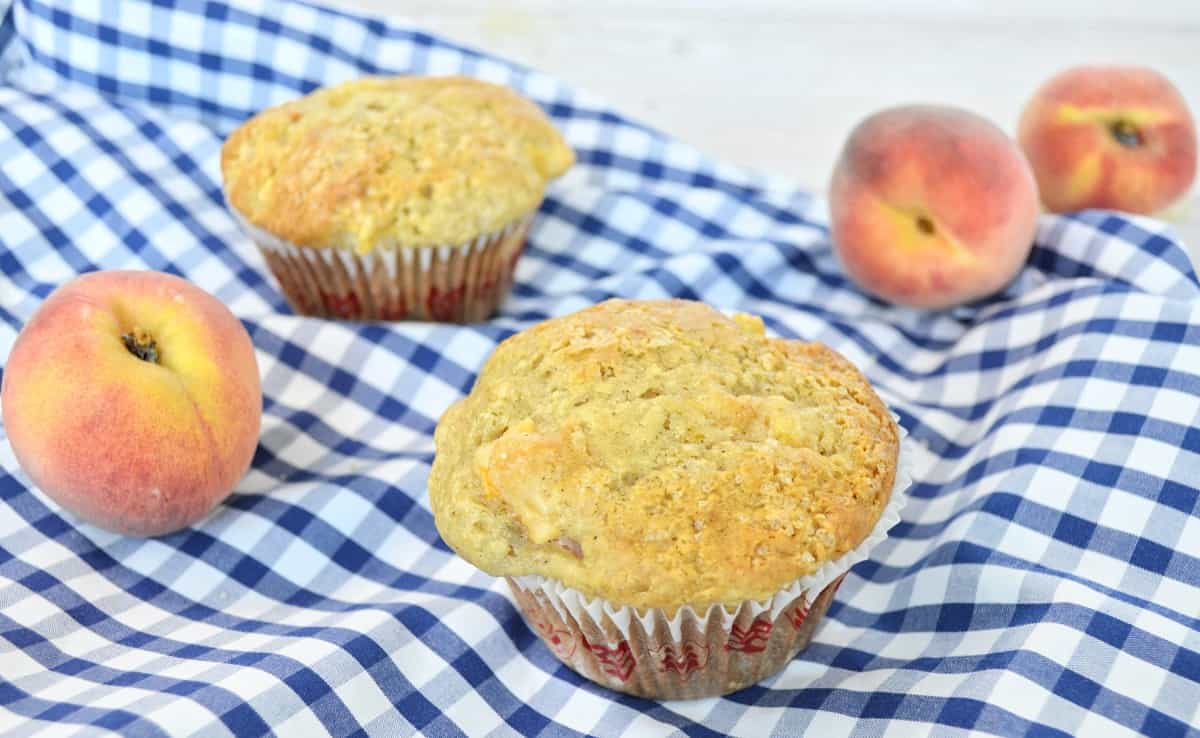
776 85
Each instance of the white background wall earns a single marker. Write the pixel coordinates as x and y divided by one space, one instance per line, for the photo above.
777 84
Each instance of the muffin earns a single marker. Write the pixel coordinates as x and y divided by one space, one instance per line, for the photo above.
394 197
672 495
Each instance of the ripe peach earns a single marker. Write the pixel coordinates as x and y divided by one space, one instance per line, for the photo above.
931 206
132 399
1109 137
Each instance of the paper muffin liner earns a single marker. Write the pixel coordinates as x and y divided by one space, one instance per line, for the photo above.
692 655
458 283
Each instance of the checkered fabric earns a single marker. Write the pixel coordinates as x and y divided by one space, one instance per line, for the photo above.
1045 579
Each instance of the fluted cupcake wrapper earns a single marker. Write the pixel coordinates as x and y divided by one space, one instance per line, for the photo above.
690 654
459 283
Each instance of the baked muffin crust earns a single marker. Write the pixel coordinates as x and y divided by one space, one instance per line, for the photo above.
658 453
393 161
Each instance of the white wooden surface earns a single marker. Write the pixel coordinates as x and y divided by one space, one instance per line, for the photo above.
777 84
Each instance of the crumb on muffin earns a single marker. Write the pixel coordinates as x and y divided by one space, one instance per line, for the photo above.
395 161
658 453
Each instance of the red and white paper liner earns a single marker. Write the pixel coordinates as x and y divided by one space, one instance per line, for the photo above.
693 655
461 283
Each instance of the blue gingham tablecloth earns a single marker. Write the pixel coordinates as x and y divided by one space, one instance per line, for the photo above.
1045 579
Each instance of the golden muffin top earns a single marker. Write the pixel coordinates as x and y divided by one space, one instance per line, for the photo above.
393 161
658 453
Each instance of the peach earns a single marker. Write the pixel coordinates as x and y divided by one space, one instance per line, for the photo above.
132 399
1109 137
931 206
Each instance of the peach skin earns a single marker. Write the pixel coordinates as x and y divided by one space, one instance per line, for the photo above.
1109 137
931 206
132 399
